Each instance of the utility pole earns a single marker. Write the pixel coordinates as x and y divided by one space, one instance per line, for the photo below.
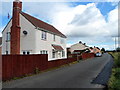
115 43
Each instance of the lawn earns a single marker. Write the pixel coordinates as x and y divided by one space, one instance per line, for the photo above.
114 82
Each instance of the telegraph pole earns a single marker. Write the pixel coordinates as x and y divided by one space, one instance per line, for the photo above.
115 43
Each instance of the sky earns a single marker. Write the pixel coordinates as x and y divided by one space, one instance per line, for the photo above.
94 22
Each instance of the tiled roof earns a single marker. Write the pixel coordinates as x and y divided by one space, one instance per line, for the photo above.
38 23
0 40
57 47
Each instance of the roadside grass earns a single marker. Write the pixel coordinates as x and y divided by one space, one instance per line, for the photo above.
114 82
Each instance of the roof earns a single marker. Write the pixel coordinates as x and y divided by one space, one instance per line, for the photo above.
0 40
78 50
38 23
57 47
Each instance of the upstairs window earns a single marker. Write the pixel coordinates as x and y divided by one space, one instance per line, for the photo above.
44 35
53 37
62 41
8 36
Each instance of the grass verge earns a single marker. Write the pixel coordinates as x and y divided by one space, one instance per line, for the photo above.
114 82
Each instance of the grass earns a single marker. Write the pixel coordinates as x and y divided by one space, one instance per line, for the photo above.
114 82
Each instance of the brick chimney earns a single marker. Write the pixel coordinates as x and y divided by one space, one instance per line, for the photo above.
15 28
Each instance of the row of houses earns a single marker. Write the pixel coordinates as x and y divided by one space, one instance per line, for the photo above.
25 34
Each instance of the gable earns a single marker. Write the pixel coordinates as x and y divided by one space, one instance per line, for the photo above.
7 25
38 23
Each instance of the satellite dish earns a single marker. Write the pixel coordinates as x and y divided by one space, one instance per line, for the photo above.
25 32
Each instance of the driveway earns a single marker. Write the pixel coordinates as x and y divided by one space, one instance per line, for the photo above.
78 75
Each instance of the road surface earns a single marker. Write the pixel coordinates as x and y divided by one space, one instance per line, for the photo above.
78 75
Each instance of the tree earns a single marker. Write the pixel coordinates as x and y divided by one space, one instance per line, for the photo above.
103 50
118 49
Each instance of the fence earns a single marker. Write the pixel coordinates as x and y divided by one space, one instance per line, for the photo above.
19 65
88 55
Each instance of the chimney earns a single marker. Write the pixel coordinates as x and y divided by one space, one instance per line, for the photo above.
15 28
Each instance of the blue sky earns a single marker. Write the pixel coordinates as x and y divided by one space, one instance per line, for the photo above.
82 20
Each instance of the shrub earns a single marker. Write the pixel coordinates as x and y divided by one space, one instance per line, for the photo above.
37 70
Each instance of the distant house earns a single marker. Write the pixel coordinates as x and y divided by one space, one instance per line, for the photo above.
94 50
25 34
78 47
0 45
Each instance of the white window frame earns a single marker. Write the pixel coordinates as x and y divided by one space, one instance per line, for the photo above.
8 36
62 41
26 52
43 52
54 37
44 35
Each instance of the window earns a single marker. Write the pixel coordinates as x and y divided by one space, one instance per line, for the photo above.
44 35
6 52
62 41
53 53
63 53
54 37
43 52
8 36
26 52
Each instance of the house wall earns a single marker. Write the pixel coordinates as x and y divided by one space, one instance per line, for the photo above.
77 46
32 41
27 42
47 44
6 45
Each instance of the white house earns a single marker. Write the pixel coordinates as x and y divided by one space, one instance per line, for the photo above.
78 47
25 34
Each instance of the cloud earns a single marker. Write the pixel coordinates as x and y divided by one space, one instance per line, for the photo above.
81 22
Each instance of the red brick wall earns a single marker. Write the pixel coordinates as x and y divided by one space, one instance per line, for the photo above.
15 28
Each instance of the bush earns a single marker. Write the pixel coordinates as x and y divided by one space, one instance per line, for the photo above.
114 82
117 60
37 70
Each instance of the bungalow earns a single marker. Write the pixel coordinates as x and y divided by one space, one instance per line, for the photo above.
25 34
78 47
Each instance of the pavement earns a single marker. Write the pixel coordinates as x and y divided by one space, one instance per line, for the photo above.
79 75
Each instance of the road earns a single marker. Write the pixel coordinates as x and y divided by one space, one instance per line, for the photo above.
78 75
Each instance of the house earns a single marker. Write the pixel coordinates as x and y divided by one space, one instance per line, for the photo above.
78 47
95 50
0 45
25 34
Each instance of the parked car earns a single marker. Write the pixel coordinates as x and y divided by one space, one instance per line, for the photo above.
98 54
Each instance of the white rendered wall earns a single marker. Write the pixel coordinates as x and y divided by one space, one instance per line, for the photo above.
6 45
27 42
77 46
32 41
47 44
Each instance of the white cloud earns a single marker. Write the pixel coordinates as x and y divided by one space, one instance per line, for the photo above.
83 19
82 22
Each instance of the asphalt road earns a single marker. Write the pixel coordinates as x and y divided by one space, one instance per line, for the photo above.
78 75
